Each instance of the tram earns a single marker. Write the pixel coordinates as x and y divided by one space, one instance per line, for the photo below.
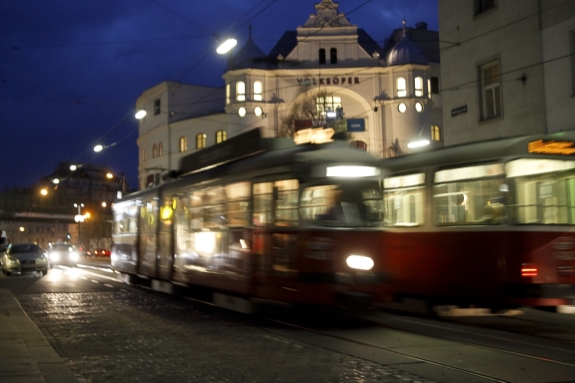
488 224
258 219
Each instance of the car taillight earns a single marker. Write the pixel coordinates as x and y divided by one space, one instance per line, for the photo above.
528 270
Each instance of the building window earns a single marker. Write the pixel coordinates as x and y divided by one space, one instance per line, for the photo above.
490 90
401 87
183 144
156 107
434 85
484 5
328 106
160 149
228 93
418 83
322 56
435 133
258 90
572 51
200 141
241 91
333 56
221 136
154 151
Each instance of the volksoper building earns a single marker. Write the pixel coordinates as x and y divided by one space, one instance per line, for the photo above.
326 73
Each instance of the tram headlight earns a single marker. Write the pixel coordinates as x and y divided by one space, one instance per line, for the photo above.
360 262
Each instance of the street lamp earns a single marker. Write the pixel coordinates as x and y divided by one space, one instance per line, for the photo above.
79 217
98 148
226 46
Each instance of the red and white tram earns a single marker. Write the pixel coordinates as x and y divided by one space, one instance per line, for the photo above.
259 218
488 224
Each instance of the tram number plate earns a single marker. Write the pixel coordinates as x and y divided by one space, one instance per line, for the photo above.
320 248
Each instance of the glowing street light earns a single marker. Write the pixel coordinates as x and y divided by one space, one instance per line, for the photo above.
226 46
418 144
140 114
44 191
79 217
98 148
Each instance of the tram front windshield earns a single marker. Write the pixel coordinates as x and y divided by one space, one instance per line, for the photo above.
342 205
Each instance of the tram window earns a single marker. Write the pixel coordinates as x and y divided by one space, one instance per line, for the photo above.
149 214
196 211
404 200
125 219
287 202
238 203
214 207
167 214
544 191
470 202
342 205
404 206
263 204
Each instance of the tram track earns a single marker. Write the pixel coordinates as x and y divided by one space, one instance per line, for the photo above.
488 343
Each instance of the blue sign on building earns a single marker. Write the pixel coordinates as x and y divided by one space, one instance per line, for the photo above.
356 125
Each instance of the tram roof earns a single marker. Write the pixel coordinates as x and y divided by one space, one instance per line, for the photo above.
560 145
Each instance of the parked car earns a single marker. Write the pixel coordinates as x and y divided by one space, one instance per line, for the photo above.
63 254
24 257
102 253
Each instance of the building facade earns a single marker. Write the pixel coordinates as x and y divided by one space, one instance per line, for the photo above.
46 213
327 73
508 67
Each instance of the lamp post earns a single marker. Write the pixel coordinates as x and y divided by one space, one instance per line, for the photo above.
79 218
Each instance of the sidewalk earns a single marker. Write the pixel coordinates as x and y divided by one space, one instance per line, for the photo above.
25 354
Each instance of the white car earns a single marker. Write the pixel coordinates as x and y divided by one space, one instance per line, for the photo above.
24 257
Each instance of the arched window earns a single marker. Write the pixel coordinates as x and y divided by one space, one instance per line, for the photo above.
154 151
333 56
435 133
401 87
227 93
221 136
183 144
143 155
322 56
200 141
160 149
258 90
418 83
241 91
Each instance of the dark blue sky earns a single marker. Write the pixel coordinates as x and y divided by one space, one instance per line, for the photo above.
71 71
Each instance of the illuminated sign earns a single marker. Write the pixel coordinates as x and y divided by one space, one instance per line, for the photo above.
313 136
328 81
356 125
551 147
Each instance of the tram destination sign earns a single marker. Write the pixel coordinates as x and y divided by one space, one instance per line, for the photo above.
565 148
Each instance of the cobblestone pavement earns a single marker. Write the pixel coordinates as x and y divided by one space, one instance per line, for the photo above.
129 336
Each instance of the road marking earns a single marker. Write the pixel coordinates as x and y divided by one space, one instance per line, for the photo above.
95 281
107 285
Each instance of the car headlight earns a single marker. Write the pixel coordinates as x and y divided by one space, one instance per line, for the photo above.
13 260
360 262
74 256
54 257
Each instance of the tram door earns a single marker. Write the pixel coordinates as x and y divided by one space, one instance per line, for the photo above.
147 245
165 256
